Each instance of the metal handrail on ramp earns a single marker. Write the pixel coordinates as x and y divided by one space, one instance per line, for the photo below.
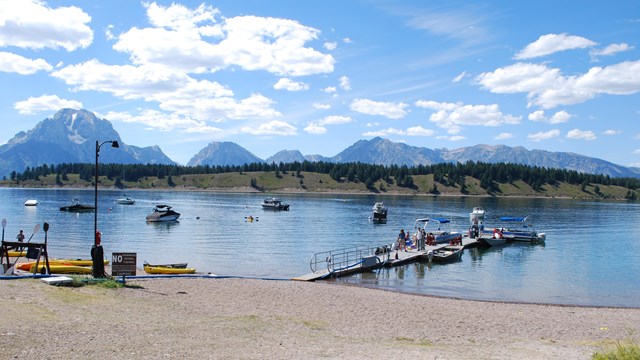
342 258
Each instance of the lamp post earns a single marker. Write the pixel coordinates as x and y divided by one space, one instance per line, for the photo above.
96 250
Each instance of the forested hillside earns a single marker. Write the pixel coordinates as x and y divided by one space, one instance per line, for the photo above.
470 178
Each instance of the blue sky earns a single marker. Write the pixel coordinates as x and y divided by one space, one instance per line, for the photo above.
317 76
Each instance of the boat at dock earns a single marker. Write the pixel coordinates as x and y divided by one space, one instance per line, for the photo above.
162 213
274 204
476 215
517 229
76 206
379 212
446 254
491 240
441 234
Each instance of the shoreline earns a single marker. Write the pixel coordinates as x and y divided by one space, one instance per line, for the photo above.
259 319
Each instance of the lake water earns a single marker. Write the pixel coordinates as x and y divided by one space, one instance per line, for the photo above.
591 256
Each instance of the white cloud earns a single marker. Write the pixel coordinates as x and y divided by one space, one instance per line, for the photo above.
347 41
459 77
579 134
539 136
161 121
335 120
330 45
321 106
558 117
503 136
552 43
289 85
202 40
315 129
387 109
611 132
12 63
31 24
548 88
452 138
274 127
611 49
34 105
636 152
452 116
345 83
412 131
330 89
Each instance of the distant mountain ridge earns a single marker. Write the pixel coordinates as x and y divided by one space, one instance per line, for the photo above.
69 137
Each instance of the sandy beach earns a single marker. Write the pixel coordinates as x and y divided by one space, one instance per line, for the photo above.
260 319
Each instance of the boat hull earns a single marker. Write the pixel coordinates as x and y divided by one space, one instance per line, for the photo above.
61 269
167 270
447 254
172 217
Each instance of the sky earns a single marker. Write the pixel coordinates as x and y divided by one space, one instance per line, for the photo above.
318 76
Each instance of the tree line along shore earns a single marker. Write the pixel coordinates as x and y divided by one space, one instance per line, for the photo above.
453 179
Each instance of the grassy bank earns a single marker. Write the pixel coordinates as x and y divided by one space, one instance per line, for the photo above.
322 183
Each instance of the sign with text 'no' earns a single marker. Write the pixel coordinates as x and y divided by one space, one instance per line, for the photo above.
123 264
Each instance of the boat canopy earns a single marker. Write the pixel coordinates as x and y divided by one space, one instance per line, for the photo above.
441 220
511 218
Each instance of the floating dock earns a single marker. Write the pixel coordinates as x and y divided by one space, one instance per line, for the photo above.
343 262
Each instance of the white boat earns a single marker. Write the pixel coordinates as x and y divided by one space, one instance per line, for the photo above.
274 204
31 203
162 213
517 229
126 200
440 233
379 212
476 215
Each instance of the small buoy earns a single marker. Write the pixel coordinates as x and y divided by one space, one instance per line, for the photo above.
197 217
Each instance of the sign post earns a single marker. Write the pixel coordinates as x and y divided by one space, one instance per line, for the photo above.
123 264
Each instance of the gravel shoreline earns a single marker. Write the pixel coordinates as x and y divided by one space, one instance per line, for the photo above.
173 318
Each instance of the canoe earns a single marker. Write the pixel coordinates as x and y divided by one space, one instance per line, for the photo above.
26 266
61 269
168 270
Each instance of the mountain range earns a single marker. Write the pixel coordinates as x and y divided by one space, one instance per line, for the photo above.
68 138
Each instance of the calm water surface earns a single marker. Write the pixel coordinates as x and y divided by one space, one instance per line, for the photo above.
591 256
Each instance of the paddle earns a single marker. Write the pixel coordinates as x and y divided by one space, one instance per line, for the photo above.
35 231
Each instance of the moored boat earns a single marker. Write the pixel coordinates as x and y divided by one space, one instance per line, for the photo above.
274 204
31 203
446 254
476 215
496 238
442 233
76 206
125 200
167 270
379 212
517 229
162 213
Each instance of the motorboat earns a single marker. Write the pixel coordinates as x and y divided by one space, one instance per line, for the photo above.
125 200
76 206
31 203
446 254
440 233
274 204
476 215
496 238
162 213
517 229
379 212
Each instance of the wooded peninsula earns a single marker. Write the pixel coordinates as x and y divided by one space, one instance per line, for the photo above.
454 179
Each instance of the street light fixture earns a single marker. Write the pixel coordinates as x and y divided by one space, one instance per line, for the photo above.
96 250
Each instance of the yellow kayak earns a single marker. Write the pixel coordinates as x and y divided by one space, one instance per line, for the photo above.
26 266
61 269
13 253
168 270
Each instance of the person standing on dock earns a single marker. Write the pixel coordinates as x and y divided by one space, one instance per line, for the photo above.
20 238
402 240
